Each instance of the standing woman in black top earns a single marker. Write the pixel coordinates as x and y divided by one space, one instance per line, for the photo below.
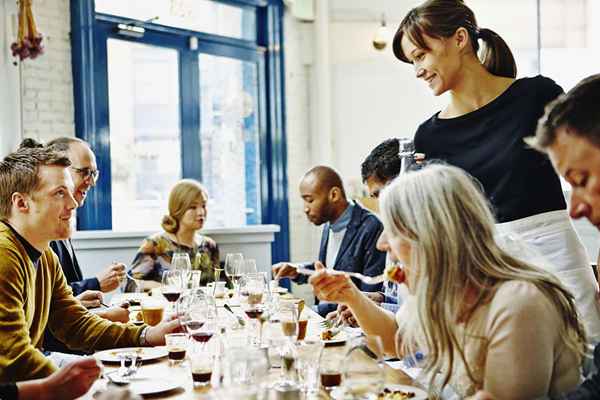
481 131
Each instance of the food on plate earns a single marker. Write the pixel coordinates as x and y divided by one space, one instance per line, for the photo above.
388 394
395 273
328 334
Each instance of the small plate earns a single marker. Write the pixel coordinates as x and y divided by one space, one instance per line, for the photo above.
339 394
145 385
146 353
337 339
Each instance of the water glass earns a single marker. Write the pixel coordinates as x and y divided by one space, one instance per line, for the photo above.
308 353
363 374
246 368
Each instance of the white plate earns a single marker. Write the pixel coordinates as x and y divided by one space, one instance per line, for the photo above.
420 394
145 385
146 353
339 338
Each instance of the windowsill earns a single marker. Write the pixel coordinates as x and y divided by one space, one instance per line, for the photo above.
105 238
106 234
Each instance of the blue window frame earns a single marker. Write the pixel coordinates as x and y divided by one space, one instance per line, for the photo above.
90 33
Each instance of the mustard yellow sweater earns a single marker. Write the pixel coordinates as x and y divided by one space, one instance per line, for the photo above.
32 298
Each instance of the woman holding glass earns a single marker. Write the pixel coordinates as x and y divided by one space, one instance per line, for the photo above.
187 215
484 318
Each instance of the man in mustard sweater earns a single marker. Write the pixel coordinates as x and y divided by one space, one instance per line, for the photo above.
36 206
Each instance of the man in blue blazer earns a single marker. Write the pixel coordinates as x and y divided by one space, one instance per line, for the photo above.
349 236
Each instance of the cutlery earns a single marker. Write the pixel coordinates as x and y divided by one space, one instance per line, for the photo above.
119 381
369 280
239 319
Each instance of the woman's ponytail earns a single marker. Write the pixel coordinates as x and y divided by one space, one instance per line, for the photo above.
496 55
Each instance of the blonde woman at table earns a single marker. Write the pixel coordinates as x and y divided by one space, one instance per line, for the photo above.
486 320
187 214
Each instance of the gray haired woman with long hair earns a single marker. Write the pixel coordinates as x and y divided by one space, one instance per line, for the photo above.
486 319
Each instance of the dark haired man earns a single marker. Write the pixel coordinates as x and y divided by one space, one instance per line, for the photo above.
36 206
349 235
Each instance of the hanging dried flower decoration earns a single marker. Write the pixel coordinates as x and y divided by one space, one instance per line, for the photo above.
29 40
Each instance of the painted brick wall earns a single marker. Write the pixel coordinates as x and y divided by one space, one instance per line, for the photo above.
47 82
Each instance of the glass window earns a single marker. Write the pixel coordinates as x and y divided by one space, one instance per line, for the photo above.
570 40
229 139
196 15
145 144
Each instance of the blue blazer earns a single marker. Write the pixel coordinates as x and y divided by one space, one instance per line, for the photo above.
357 252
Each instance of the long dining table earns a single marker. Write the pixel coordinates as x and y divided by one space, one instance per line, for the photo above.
161 369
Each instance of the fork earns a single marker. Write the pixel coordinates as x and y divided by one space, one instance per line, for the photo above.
239 319
369 280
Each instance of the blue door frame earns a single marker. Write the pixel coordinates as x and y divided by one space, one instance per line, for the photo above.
90 32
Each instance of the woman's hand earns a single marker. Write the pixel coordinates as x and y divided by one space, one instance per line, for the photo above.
333 286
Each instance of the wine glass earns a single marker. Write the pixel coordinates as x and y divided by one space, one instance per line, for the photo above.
181 261
288 320
233 263
172 286
254 285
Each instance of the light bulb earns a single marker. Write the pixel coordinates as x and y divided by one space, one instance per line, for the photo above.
381 35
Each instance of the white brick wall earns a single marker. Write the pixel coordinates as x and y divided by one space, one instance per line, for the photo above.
47 81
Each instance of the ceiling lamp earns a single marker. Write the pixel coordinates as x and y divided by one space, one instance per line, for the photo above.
381 35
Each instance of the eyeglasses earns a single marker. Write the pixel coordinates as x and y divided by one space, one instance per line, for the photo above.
87 173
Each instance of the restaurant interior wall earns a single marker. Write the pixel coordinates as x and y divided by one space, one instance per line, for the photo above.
47 109
374 96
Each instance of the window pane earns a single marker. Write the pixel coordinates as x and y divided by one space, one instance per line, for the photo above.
145 146
197 15
518 29
570 40
229 140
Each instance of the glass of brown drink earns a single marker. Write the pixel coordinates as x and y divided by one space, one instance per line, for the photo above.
177 344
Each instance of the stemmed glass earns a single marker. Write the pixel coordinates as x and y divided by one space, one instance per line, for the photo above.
233 263
288 319
197 314
254 285
172 286
181 261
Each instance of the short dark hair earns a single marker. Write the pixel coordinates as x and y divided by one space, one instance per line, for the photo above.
383 162
577 110
19 172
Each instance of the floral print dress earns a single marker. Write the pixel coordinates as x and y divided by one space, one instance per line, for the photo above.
155 254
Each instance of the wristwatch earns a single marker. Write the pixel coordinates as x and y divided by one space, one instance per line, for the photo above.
143 341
